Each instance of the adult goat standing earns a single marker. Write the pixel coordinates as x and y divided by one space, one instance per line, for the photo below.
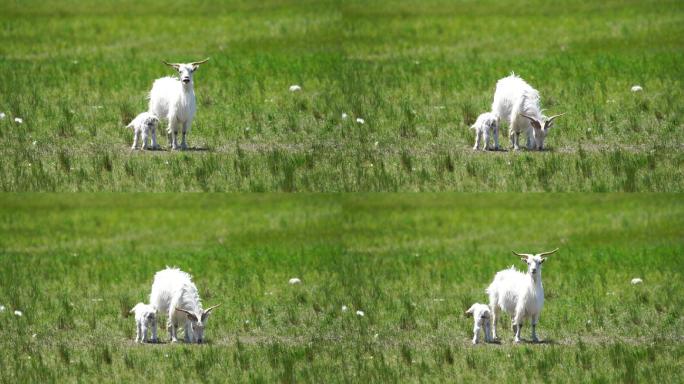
174 99
521 295
174 293
518 102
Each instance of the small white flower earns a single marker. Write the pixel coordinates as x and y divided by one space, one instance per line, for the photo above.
34 142
636 281
360 313
294 281
246 321
344 116
2 115
345 308
2 308
18 120
18 313
376 144
34 335
247 129
295 88
637 88
360 120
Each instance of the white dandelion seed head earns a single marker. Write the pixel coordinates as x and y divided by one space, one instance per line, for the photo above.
344 116
295 88
636 281
345 308
2 115
294 281
637 88
2 308
360 313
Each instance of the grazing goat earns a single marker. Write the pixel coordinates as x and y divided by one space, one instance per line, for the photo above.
145 318
517 101
174 293
143 125
481 317
486 124
174 100
521 295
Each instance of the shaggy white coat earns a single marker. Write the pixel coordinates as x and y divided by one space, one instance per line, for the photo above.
519 294
174 293
173 99
519 104
145 318
144 126
486 124
482 319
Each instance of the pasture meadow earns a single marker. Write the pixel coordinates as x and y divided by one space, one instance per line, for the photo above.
75 264
416 73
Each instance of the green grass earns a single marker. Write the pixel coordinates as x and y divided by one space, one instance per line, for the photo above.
75 265
418 72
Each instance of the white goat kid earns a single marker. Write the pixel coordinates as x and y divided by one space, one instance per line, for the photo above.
144 126
518 102
145 318
482 318
486 124
521 295
174 293
174 100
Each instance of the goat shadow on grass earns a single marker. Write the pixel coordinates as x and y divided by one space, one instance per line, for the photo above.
543 342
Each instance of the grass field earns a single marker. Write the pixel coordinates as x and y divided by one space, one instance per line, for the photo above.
418 73
412 263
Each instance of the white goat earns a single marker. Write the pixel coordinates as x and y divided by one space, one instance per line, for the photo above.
174 293
174 100
145 318
143 125
521 295
518 102
482 318
486 124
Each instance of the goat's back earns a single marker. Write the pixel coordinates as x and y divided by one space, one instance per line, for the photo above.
168 286
510 92
504 290
164 92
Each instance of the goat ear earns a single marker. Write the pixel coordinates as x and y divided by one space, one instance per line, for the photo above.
196 64
543 260
190 314
549 122
535 123
174 65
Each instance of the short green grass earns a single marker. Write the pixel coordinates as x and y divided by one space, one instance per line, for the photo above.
75 264
418 73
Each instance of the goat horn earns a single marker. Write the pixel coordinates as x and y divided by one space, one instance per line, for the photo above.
211 308
521 254
550 119
199 62
531 118
548 253
183 310
175 65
